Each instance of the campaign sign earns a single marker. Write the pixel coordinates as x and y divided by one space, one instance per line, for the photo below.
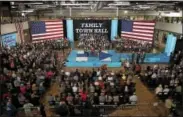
9 40
92 29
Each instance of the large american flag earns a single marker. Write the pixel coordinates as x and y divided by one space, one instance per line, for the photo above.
19 29
46 30
137 30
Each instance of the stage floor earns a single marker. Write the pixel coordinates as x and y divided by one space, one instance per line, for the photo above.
114 60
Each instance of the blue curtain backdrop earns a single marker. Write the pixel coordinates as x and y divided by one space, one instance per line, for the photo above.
170 44
70 33
114 28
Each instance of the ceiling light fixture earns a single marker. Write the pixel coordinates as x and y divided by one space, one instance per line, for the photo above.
23 14
12 3
28 11
120 4
125 11
36 3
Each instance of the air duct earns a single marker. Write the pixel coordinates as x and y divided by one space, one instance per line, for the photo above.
98 6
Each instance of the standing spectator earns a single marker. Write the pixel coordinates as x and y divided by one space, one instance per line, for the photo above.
133 57
42 110
142 57
62 110
10 108
138 58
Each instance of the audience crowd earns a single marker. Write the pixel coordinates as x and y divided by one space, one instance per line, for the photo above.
127 45
98 43
27 71
167 81
96 87
94 42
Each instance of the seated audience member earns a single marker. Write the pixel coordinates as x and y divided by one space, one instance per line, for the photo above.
159 90
116 99
166 91
169 77
169 105
109 99
96 99
51 100
102 99
62 110
133 99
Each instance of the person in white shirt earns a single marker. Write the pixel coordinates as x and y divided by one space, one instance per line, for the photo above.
126 89
110 78
159 89
27 108
172 81
16 83
75 88
98 73
92 88
127 64
166 90
178 89
154 76
133 99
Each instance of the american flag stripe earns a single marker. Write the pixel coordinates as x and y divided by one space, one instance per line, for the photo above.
50 23
139 30
53 26
142 27
53 30
139 37
140 34
49 37
46 34
145 31
146 24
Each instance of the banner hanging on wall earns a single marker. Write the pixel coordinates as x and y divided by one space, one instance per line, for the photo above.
89 29
9 40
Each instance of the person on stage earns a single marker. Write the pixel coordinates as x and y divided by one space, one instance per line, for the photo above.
133 56
142 56
63 48
138 57
86 51
92 51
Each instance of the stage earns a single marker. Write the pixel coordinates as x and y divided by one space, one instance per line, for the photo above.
78 58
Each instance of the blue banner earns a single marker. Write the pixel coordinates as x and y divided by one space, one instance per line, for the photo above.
170 44
114 29
9 40
70 34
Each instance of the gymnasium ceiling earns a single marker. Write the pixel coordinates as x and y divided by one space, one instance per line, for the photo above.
90 8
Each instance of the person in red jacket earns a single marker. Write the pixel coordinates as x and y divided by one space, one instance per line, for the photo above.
83 95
